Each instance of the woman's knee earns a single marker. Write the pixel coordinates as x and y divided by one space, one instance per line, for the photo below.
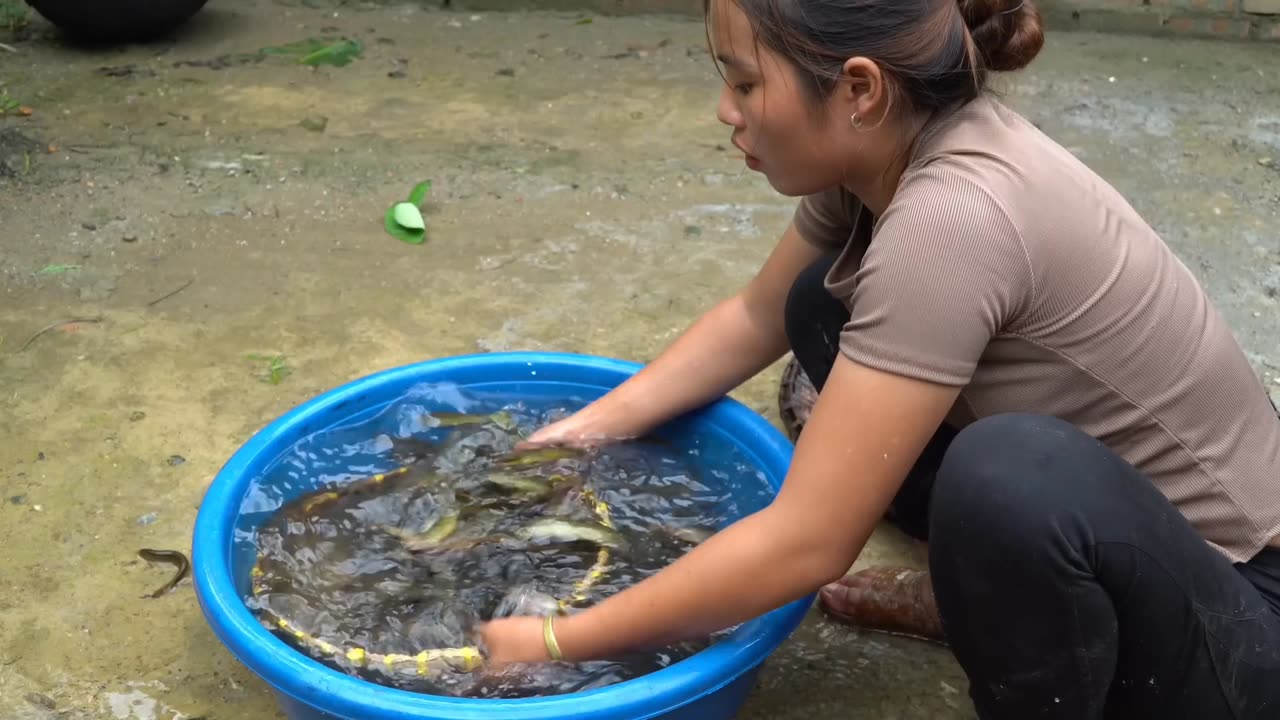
1009 479
813 320
808 297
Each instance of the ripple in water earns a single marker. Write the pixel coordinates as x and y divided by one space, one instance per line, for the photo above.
386 577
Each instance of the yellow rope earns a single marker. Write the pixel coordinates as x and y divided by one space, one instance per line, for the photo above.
597 570
463 659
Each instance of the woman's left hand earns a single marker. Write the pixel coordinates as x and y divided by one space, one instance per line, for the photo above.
514 640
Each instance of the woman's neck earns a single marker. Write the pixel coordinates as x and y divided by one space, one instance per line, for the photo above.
876 189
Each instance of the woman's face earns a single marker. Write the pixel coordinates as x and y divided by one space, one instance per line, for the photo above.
800 151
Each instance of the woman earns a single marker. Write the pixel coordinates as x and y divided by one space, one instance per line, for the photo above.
1012 365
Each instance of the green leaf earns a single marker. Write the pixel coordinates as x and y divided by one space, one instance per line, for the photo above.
337 54
407 215
319 51
301 47
276 369
404 234
56 269
419 193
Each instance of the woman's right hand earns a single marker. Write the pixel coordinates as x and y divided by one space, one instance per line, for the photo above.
590 426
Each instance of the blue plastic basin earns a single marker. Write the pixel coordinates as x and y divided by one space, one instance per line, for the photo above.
710 685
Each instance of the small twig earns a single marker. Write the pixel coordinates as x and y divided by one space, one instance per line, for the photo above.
168 295
57 325
8 48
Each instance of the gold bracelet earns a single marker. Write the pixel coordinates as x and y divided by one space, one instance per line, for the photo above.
549 637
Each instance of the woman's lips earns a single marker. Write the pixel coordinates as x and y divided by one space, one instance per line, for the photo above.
753 162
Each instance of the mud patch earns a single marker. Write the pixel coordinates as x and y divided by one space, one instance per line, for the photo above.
1121 117
1266 130
221 62
18 152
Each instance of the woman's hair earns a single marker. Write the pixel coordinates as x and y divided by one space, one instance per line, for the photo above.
936 53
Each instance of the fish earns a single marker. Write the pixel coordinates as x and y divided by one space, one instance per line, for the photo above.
691 535
552 530
446 526
564 496
526 600
439 531
518 485
540 532
411 451
502 419
538 456
169 556
458 451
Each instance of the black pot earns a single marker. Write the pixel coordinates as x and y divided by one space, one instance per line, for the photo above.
117 20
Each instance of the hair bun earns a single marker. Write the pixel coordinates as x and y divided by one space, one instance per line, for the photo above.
1007 33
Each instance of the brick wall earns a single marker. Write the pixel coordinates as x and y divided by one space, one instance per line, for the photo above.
1227 19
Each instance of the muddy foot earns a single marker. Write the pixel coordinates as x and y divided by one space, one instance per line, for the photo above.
796 397
893 600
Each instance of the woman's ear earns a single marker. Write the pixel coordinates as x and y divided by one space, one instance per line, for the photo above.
862 88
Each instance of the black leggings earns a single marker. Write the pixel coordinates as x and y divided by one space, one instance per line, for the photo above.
1068 585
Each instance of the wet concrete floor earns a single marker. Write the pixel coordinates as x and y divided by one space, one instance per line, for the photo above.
583 200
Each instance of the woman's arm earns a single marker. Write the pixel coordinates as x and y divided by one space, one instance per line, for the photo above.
726 346
866 430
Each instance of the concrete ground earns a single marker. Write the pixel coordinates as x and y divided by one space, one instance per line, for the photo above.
583 200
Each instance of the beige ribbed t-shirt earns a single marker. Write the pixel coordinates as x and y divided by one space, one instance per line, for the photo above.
1006 267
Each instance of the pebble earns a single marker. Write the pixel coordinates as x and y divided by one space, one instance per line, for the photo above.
137 415
1266 162
38 508
176 460
148 519
314 124
18 499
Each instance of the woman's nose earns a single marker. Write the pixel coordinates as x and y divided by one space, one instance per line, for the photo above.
727 110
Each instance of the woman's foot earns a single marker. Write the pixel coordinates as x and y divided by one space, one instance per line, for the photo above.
796 397
893 600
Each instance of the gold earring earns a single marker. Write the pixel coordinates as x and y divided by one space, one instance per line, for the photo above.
856 120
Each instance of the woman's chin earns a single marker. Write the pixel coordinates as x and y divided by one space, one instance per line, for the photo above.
797 185
787 189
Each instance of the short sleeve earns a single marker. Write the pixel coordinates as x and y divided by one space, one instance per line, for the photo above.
945 273
827 219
